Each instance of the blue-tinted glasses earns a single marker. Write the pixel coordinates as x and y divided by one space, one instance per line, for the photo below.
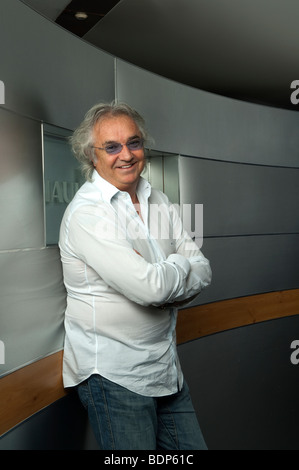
114 148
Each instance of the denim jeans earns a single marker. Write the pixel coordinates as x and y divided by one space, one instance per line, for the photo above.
124 420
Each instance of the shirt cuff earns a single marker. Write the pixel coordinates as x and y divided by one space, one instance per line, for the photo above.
181 261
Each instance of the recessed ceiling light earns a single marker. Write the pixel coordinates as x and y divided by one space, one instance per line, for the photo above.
81 15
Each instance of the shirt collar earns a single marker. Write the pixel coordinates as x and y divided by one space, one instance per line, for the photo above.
144 189
108 190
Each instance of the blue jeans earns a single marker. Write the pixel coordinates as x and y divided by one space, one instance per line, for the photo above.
124 420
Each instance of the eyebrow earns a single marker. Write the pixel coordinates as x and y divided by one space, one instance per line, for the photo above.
107 142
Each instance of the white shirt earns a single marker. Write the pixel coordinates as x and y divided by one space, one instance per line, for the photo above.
117 323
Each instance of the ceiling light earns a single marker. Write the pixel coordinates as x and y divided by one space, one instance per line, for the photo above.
81 15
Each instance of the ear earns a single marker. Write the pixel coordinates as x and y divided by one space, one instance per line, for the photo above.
93 159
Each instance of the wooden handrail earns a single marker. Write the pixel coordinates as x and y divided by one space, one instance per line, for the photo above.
32 388
215 317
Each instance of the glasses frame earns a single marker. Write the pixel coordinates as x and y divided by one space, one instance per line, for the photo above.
121 146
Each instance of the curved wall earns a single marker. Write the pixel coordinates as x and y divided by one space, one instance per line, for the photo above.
49 76
233 156
250 225
241 161
195 123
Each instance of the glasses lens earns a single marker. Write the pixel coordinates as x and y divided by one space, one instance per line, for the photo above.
135 144
114 148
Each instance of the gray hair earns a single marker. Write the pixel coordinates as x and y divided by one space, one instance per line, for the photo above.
82 139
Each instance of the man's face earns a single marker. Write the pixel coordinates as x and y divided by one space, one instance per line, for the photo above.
123 169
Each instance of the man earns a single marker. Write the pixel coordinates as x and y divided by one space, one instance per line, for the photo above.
124 280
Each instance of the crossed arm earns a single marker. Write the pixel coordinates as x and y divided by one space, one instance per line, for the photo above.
175 280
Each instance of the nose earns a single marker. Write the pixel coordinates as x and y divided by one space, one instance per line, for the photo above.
125 154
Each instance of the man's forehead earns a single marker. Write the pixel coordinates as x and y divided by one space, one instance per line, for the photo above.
114 127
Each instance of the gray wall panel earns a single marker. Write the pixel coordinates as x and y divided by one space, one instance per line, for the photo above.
49 73
61 426
196 123
241 199
250 265
244 387
21 183
32 300
51 76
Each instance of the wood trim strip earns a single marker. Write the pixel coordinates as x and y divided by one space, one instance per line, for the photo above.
215 317
32 388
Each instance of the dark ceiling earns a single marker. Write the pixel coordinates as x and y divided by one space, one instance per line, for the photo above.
243 49
95 10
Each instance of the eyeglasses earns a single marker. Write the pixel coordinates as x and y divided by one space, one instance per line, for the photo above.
115 147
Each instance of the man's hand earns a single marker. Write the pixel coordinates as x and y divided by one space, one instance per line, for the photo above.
178 304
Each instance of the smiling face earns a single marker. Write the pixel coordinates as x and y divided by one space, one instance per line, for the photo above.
123 169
